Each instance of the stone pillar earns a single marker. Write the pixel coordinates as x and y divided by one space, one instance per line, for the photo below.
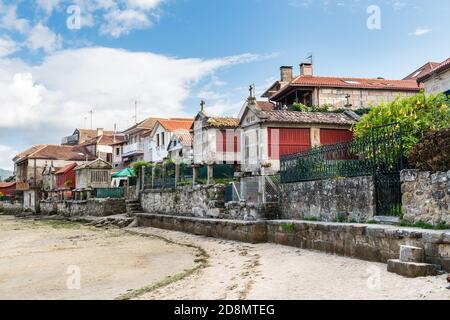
194 174
210 174
153 176
315 137
177 174
142 178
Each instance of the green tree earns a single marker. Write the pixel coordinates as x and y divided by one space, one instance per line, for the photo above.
418 115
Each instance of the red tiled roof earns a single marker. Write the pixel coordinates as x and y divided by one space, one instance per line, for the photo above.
172 125
283 116
350 83
421 71
29 151
185 139
104 140
358 83
67 168
4 185
437 69
57 152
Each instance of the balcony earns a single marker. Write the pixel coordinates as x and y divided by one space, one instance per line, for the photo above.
132 149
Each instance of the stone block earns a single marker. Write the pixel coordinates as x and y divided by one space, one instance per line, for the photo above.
412 269
412 254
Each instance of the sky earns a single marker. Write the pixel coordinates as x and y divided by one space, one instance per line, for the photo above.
59 59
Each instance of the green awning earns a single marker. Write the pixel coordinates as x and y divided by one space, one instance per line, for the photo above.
125 173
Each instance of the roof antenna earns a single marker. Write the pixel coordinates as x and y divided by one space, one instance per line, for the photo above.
92 115
135 111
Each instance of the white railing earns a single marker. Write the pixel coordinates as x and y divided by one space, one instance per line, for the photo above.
133 149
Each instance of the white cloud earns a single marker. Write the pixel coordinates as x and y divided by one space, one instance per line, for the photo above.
420 32
58 93
6 155
48 5
7 46
9 19
121 22
143 4
41 37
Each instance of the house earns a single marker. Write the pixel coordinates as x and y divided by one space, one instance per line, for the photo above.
268 134
157 141
82 135
180 148
92 175
335 92
436 79
117 150
133 148
29 168
7 189
102 146
216 140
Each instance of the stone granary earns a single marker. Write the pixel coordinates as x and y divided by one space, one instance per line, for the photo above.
90 176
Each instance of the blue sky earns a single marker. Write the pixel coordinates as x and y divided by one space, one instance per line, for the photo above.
169 54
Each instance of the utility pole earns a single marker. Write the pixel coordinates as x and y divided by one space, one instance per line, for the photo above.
92 116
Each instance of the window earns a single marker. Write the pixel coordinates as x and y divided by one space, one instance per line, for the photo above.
117 151
351 82
99 176
162 138
157 140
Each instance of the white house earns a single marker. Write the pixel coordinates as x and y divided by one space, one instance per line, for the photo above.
157 141
437 79
180 148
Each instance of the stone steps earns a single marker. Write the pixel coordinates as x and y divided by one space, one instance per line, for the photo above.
133 207
412 263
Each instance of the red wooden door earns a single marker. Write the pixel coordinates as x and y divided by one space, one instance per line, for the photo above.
332 136
290 141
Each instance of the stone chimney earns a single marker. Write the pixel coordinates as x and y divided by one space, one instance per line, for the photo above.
286 74
306 69
99 132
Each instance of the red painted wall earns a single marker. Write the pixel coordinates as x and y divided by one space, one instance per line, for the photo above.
291 140
62 178
227 141
332 136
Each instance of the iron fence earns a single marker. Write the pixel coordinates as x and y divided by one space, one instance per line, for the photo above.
379 154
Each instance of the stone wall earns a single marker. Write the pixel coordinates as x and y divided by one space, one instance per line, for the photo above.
426 196
341 199
359 98
368 242
11 208
200 201
91 207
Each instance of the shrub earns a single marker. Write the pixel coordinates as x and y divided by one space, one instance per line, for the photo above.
432 153
68 183
1 196
418 114
138 165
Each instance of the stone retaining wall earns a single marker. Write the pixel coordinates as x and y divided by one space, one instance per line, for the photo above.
348 199
368 242
201 202
426 196
11 208
91 207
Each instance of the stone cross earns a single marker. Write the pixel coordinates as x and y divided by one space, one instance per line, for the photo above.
252 90
202 105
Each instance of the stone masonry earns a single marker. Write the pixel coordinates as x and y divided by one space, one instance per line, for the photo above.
426 196
91 207
340 199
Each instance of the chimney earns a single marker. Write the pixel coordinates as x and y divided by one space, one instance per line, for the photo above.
286 74
306 69
99 132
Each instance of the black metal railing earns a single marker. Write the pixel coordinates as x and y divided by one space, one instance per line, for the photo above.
379 154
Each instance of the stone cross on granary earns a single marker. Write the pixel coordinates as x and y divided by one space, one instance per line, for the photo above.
202 105
252 90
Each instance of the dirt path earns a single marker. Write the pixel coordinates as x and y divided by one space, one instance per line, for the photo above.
269 271
38 258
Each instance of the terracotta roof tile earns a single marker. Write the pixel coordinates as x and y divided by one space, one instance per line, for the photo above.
185 139
57 152
172 125
4 185
306 117
423 70
437 69
67 168
265 105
